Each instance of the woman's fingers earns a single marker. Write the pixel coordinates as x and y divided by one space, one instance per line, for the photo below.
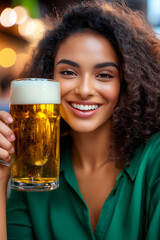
6 117
6 131
5 144
6 136
4 155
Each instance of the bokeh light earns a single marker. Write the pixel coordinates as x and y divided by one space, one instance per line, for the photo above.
22 14
21 59
7 57
8 17
32 29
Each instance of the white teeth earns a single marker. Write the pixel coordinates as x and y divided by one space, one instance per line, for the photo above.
84 107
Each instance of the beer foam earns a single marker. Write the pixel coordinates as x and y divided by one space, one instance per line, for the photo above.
38 91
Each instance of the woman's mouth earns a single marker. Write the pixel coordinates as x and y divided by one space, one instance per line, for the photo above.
84 107
84 110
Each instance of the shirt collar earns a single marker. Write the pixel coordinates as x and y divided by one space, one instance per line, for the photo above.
132 169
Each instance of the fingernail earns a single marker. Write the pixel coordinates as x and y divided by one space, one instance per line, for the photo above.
12 137
10 119
12 150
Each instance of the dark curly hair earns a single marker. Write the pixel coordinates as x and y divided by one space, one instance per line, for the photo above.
137 114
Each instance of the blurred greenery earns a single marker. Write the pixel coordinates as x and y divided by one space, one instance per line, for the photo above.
31 5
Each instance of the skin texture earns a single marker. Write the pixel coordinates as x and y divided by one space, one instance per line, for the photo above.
78 68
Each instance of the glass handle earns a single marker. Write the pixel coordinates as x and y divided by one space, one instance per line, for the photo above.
5 163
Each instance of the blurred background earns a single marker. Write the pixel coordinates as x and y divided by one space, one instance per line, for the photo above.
22 24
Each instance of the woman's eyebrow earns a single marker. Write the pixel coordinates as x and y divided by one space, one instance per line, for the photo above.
106 64
99 65
69 62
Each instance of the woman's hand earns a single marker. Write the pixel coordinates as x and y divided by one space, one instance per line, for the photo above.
6 148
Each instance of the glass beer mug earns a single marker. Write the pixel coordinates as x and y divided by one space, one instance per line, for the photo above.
35 108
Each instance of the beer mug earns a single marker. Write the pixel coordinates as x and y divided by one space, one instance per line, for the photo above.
35 108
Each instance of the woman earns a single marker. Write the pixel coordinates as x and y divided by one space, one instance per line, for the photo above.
107 60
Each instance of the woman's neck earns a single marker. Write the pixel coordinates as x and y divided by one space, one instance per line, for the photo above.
90 150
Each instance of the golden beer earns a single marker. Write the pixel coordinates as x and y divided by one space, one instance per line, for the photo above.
36 115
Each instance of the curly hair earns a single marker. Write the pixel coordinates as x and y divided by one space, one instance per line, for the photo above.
137 114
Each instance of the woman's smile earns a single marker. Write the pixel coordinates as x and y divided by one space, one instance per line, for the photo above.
84 110
84 107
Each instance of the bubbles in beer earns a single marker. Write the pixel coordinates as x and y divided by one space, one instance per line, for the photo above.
36 127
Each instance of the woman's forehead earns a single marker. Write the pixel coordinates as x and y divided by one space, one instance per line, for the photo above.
87 40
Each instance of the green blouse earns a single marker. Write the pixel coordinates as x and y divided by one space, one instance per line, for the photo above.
131 212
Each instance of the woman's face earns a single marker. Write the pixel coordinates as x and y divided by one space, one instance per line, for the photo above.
86 65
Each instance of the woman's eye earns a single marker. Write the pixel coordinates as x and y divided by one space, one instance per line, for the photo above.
68 73
104 75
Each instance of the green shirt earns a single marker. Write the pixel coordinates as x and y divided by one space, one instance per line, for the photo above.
131 211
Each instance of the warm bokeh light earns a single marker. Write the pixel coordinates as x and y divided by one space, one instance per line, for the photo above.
8 17
7 57
39 29
32 29
22 14
21 59
27 28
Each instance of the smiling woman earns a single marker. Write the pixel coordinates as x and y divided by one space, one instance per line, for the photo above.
107 60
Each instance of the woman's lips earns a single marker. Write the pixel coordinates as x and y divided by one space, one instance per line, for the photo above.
84 107
84 110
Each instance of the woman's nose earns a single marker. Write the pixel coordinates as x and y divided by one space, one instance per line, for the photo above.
85 87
